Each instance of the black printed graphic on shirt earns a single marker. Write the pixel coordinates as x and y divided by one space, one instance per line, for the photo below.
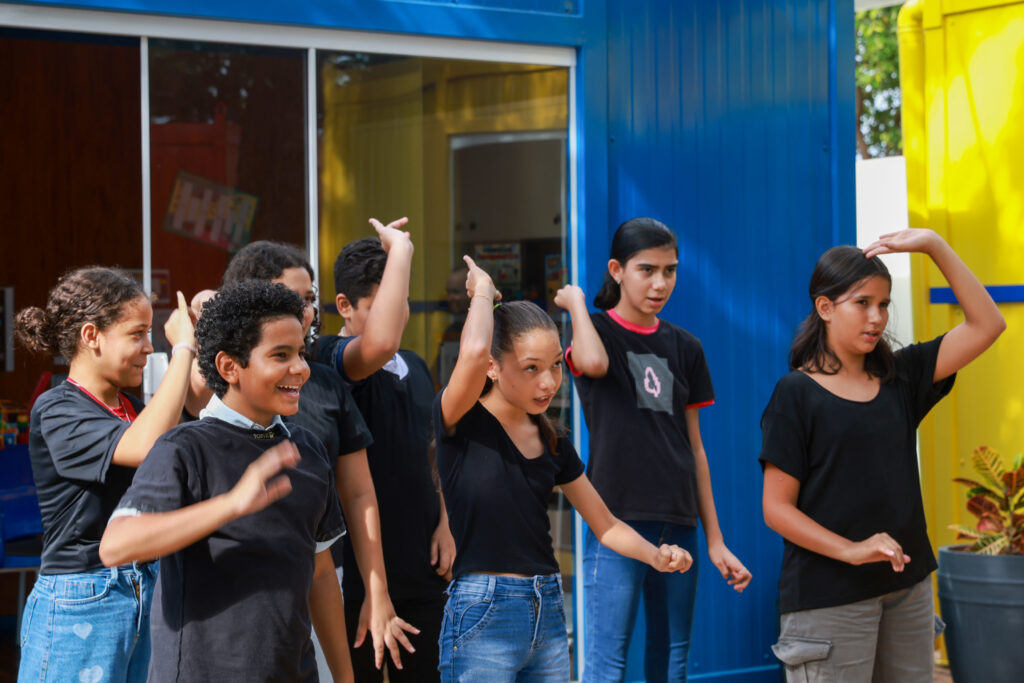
653 381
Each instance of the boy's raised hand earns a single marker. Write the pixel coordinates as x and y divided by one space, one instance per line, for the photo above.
260 486
479 282
672 558
391 234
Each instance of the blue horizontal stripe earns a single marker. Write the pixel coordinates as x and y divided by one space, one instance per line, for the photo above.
1000 294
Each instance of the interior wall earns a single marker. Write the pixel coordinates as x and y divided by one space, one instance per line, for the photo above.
70 169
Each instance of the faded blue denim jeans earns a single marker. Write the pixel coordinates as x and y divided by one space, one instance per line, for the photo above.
613 586
88 627
500 629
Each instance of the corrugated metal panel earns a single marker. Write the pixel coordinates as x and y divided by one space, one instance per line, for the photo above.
720 124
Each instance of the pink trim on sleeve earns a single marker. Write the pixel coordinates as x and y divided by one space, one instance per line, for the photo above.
568 362
702 404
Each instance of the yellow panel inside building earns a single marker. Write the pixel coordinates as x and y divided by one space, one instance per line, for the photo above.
387 130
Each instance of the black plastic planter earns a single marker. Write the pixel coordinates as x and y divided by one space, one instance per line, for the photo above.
982 599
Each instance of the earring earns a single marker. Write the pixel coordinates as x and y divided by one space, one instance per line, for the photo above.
618 282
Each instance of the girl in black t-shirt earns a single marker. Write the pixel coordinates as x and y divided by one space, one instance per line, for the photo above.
83 621
499 459
642 382
841 482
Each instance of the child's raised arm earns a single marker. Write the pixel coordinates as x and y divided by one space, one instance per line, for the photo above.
148 536
470 373
385 322
587 354
164 410
983 323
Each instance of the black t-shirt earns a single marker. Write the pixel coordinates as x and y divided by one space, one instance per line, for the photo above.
326 408
857 467
646 472
497 499
395 401
72 442
234 606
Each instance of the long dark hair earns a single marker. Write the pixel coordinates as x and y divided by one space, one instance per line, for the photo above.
512 321
838 270
93 294
631 237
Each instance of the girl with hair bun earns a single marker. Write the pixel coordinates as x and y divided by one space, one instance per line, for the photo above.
83 621
499 458
841 480
631 367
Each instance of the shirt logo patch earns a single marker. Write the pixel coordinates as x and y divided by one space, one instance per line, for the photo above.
653 381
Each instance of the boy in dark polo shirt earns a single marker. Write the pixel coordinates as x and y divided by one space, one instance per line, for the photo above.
242 510
394 390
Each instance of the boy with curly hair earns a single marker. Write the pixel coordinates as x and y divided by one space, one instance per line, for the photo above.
241 508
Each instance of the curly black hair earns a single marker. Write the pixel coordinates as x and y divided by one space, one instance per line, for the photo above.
232 322
359 268
267 260
93 294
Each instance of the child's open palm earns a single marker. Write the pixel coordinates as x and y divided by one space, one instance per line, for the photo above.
260 485
909 240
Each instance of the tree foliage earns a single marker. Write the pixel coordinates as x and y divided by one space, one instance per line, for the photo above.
877 79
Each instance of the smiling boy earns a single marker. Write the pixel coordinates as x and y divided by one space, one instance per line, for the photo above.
246 564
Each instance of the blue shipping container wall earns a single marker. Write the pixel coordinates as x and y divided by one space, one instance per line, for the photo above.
731 121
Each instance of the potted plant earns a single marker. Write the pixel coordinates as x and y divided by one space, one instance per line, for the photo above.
981 585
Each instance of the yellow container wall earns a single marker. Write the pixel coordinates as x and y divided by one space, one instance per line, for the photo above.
962 75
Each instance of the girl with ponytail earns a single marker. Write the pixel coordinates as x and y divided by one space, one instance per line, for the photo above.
631 367
499 458
841 480
83 621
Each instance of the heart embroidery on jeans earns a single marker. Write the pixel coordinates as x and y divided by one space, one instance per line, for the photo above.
91 675
82 630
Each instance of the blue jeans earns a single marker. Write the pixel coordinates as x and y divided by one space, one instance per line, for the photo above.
88 627
613 585
500 629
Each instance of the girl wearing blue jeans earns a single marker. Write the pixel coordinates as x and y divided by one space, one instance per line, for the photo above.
642 381
84 622
499 459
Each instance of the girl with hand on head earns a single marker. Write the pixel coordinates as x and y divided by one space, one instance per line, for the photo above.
841 481
499 457
631 367
82 620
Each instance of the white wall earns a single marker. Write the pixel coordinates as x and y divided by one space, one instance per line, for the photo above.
882 208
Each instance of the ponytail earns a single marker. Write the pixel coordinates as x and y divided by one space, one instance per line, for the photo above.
93 294
609 294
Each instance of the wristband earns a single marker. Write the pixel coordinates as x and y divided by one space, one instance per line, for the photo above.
183 345
484 296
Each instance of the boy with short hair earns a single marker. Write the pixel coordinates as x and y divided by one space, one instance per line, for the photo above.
242 509
394 391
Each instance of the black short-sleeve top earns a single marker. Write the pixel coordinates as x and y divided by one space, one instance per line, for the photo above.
655 373
72 440
235 605
395 402
497 499
857 467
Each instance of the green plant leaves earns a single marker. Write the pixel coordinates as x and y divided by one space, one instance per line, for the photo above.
996 498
